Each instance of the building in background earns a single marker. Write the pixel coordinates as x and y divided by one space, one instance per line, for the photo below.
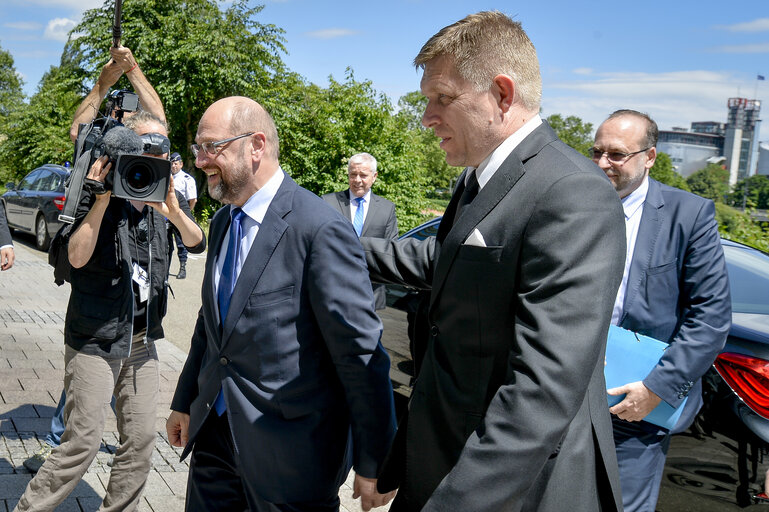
734 143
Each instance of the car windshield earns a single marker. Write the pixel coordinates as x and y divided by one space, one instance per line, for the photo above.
748 279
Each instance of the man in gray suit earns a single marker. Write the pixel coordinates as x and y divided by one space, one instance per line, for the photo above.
509 410
286 384
674 288
6 243
370 214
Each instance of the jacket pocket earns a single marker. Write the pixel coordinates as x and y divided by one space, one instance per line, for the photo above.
480 254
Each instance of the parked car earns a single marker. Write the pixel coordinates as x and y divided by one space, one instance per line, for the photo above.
34 204
731 432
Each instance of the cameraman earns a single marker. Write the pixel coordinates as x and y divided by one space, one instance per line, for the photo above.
118 252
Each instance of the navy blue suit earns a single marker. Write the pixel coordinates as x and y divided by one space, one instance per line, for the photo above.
678 292
298 356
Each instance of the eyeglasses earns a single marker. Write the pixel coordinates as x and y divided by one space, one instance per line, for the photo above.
615 157
213 148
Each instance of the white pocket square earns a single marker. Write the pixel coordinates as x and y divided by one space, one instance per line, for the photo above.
476 239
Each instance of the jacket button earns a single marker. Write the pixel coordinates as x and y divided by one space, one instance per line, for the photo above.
224 361
434 330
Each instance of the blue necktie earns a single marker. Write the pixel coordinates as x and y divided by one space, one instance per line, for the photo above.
357 222
227 283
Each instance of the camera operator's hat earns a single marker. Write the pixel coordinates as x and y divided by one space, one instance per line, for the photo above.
175 157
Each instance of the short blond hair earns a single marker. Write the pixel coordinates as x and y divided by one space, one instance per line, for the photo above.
487 44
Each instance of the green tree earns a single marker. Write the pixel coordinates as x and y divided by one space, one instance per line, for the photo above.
573 131
738 226
754 191
11 95
38 132
663 171
711 182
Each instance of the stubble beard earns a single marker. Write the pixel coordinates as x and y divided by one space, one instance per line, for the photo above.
228 189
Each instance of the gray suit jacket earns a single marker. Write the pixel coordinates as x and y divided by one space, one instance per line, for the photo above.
298 356
509 409
5 233
380 223
678 292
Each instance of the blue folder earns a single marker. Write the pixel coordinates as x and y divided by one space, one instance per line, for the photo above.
630 357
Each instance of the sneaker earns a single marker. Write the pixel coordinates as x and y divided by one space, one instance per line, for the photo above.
34 463
182 272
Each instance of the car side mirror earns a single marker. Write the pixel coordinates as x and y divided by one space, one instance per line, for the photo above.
10 185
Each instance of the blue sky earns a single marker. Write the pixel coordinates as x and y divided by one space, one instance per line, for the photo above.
678 60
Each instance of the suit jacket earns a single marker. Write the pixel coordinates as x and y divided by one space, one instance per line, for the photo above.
380 223
509 410
5 233
678 292
298 356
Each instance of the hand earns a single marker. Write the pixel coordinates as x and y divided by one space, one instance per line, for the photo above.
6 258
638 402
178 428
170 207
124 58
98 172
365 489
110 74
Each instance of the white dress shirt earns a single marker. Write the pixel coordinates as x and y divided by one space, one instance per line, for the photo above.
632 204
255 209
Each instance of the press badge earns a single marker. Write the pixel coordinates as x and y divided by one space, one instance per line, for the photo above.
141 278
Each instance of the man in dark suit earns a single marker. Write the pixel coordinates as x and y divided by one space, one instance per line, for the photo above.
6 243
508 411
286 384
370 214
674 288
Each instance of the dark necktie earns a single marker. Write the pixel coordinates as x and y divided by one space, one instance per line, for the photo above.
229 269
468 194
227 283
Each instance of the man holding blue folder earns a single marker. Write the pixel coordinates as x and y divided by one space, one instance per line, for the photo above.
674 289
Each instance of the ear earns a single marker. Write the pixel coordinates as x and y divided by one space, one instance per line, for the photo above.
504 89
374 176
258 145
651 156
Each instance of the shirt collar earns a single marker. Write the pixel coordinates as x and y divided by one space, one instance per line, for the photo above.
632 202
256 206
489 166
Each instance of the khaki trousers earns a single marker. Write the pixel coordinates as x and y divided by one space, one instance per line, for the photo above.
90 382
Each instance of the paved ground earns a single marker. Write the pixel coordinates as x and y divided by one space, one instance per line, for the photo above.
32 310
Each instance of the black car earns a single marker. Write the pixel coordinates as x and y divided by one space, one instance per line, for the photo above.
35 204
718 463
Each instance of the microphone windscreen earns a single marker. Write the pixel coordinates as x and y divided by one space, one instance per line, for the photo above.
122 141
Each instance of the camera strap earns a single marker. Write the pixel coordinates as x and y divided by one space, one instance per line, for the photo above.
75 188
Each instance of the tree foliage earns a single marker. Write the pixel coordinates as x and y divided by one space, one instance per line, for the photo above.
740 227
11 94
662 171
573 131
754 192
711 182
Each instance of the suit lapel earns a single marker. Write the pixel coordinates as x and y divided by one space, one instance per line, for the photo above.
219 226
648 233
344 203
270 232
508 174
371 214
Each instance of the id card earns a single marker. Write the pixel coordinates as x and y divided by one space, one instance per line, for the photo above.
141 278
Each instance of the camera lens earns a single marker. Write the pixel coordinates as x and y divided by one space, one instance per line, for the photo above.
139 178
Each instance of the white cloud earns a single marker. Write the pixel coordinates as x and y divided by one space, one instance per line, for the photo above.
744 48
671 99
582 71
331 33
58 28
23 25
757 25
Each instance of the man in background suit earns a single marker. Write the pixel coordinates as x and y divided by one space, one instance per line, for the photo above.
286 384
370 214
6 243
508 411
674 288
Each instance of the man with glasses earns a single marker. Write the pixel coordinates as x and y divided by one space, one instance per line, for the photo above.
674 288
371 215
118 252
286 384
